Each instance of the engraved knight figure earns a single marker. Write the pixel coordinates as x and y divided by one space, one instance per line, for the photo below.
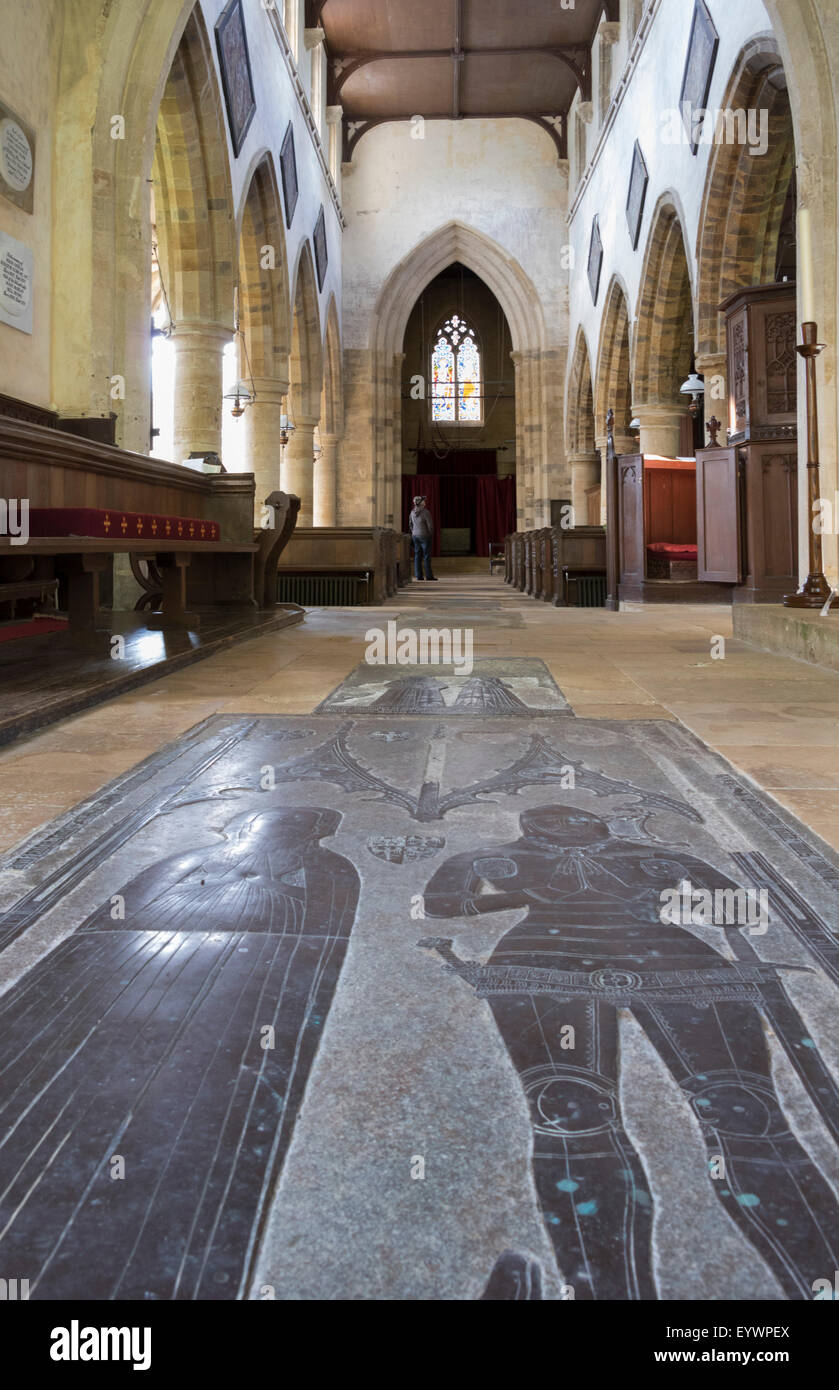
592 940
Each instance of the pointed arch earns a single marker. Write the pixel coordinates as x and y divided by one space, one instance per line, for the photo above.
744 195
264 301
579 409
664 335
613 383
457 242
306 360
332 404
193 199
515 292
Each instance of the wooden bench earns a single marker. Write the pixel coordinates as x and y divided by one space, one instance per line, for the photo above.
61 474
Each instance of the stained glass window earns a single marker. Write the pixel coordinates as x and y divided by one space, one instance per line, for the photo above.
456 374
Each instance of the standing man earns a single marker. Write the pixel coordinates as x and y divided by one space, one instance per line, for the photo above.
422 532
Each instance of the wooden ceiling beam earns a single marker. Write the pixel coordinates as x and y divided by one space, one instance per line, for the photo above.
344 66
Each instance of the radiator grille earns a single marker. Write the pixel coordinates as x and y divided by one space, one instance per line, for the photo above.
591 591
323 590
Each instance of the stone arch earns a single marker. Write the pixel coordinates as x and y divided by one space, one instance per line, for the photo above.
306 360
192 193
583 454
579 409
664 333
332 399
613 389
114 61
501 272
305 386
744 195
331 427
264 308
264 321
457 242
194 223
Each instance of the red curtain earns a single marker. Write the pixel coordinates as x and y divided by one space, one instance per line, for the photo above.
459 461
495 511
429 487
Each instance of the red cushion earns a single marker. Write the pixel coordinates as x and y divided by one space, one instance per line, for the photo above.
102 522
672 550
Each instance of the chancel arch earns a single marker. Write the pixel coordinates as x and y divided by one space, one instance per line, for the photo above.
305 386
458 413
264 323
663 348
457 243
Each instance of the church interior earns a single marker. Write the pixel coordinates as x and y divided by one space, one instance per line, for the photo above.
418 574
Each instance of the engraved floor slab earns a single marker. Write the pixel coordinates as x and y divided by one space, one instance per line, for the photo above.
363 1007
518 686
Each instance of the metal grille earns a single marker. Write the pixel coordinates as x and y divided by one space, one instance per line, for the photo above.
591 591
322 590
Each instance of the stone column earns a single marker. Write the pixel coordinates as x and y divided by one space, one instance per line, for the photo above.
298 471
714 368
263 449
530 501
326 481
585 473
660 429
199 386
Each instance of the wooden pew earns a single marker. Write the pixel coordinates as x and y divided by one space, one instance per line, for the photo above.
62 476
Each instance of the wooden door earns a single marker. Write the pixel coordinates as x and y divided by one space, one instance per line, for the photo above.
718 516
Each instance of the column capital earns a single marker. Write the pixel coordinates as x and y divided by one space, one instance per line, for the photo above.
609 31
585 111
656 412
312 38
201 329
269 390
334 114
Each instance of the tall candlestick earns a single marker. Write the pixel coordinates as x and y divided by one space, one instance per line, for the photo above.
804 267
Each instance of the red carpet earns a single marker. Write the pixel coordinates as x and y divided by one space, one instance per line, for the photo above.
31 628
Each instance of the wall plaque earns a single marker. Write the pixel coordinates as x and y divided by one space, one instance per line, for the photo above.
321 253
699 67
236 76
16 272
595 259
17 159
288 175
638 180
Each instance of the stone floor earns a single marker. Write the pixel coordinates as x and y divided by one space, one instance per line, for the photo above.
217 969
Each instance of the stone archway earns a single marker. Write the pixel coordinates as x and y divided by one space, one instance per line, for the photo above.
538 368
664 336
114 62
331 427
613 387
583 455
305 386
265 322
743 199
193 209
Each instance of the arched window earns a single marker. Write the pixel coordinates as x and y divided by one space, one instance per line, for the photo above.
456 395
